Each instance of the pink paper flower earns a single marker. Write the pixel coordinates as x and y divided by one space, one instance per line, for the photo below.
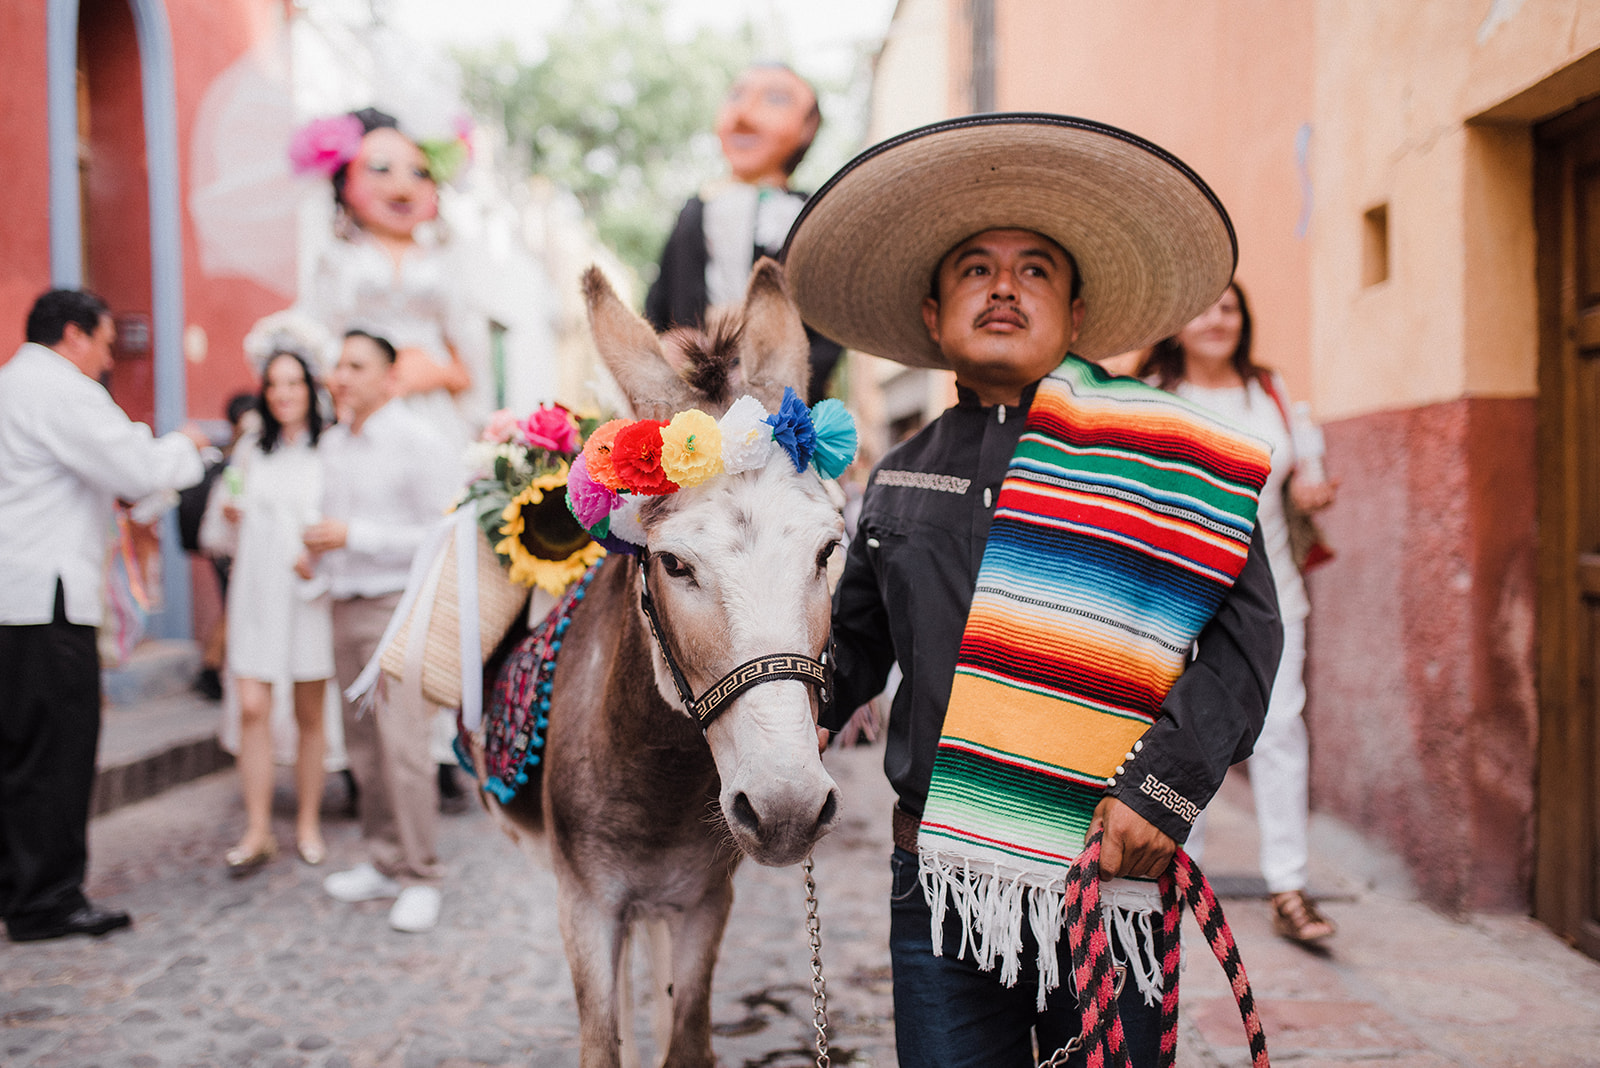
589 500
500 427
550 427
324 145
463 127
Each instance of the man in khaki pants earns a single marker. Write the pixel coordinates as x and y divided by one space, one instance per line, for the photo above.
387 480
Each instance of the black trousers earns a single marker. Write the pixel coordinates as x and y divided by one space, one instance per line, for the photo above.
49 730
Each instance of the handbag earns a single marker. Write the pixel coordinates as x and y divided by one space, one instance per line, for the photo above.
1307 544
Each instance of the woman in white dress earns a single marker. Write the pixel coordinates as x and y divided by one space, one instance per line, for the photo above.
279 623
1209 363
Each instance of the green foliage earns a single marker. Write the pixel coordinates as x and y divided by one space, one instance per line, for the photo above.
618 113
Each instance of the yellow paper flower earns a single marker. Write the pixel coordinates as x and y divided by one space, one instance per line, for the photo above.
691 448
543 542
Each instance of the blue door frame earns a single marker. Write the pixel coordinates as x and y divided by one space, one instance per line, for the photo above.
158 80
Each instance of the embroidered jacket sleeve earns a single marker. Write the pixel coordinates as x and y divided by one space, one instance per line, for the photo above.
1213 714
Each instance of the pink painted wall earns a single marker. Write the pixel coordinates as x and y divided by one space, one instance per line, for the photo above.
1422 708
208 37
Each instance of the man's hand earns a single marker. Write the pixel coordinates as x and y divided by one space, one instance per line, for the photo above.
1312 496
306 566
1132 846
325 535
863 723
194 433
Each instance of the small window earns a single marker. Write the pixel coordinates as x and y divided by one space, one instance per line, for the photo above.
497 361
1375 245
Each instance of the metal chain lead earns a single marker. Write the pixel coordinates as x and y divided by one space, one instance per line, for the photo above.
819 985
1058 1059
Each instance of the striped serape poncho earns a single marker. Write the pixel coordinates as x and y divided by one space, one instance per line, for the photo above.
1124 519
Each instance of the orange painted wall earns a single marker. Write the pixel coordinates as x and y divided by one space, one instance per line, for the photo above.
1225 86
24 139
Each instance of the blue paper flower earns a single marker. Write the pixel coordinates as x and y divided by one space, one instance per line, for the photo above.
836 438
791 428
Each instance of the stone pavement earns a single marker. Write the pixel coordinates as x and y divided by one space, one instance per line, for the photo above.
269 971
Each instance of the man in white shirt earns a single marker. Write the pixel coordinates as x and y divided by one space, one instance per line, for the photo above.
67 453
387 479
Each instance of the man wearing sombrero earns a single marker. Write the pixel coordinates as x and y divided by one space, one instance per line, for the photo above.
1063 564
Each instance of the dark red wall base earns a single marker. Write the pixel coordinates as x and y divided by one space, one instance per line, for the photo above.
1422 703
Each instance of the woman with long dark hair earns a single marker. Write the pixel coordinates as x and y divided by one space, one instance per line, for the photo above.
1209 362
279 624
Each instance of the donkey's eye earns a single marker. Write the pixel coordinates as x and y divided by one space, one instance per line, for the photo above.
827 551
674 567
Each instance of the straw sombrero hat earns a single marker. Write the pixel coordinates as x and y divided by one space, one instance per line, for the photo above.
1153 243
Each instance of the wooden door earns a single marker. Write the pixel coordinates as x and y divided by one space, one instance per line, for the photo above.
1567 199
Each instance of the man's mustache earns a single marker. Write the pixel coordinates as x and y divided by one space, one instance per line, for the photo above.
1009 313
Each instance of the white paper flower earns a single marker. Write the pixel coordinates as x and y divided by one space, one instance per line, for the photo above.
746 436
480 458
290 331
625 520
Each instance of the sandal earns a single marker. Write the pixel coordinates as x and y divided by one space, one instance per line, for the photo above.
1294 917
312 850
241 863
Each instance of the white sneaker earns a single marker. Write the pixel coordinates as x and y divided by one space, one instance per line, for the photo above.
361 883
416 910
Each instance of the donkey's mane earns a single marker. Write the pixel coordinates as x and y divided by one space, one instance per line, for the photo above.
710 355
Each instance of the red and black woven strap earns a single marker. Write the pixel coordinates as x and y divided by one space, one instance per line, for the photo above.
1185 883
1094 972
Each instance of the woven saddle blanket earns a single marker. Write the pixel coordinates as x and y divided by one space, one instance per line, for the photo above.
518 711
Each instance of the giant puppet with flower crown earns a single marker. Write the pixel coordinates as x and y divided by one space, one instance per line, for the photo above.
388 268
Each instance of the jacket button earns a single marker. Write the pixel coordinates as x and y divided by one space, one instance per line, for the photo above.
988 497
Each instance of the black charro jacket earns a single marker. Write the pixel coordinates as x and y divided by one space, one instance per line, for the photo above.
678 296
907 585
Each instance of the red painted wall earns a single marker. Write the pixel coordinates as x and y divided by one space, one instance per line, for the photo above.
1422 707
24 138
207 36
117 192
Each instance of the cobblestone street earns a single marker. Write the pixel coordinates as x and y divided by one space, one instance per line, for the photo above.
270 971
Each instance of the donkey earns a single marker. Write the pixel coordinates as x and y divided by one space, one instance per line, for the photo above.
649 816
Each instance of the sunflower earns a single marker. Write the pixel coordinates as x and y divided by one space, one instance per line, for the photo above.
544 543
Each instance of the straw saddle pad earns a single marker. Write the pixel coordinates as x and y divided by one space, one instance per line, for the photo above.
500 602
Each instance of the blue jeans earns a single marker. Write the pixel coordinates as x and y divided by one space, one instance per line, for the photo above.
950 1014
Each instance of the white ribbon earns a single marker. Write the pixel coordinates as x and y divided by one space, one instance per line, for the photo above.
422 584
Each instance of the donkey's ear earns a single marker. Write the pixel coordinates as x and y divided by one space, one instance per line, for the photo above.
631 352
773 349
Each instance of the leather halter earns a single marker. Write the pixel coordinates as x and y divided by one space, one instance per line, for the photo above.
770 668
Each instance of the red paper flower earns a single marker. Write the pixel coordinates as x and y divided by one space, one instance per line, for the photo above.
636 455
